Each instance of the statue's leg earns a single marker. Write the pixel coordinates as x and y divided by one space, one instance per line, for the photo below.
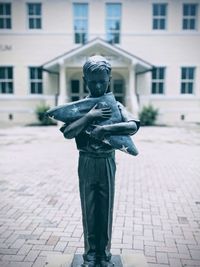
87 188
106 201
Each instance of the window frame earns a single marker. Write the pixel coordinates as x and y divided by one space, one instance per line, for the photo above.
190 17
36 81
113 18
187 81
34 17
5 17
81 18
158 81
160 17
7 80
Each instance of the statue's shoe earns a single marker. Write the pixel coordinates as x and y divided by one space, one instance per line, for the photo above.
89 264
104 263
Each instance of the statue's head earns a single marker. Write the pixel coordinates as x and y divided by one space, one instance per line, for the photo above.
97 75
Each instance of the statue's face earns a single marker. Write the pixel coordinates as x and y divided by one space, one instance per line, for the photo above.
97 83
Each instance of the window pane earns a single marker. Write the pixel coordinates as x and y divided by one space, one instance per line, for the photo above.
154 73
184 73
39 85
80 25
3 87
155 24
31 23
116 38
163 9
153 89
75 86
185 24
1 9
80 10
8 23
185 10
193 10
10 87
161 73
113 24
113 10
190 73
77 38
160 88
192 24
2 72
38 23
32 73
190 88
32 88
31 9
2 23
183 88
37 9
155 10
8 9
162 24
10 72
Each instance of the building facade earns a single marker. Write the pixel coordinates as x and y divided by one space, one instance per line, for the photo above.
153 47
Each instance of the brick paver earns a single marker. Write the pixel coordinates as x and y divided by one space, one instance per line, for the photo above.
157 199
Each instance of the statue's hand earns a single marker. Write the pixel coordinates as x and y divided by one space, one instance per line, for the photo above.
98 132
99 113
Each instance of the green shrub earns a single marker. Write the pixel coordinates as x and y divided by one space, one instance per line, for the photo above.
148 115
40 113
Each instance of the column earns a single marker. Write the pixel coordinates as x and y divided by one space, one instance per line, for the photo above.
62 84
133 103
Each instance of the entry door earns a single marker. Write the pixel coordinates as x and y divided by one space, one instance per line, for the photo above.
117 87
78 89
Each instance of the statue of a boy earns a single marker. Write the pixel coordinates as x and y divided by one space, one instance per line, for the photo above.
97 167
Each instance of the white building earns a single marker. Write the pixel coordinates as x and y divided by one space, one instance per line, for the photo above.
44 43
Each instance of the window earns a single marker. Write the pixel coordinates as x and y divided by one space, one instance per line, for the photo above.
159 16
189 16
158 76
113 23
187 80
5 16
6 80
35 75
80 23
34 15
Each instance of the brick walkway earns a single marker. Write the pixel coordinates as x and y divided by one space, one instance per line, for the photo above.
157 200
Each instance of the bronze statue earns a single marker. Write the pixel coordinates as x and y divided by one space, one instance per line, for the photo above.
97 166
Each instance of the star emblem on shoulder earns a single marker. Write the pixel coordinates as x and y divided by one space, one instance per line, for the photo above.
124 149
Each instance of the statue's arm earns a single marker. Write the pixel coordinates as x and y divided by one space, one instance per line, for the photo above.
128 126
121 128
75 128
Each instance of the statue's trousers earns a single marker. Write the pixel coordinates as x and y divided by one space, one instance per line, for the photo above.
96 185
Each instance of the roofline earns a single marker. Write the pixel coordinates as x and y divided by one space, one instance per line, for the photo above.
127 54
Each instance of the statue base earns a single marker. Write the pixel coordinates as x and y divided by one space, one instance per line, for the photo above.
78 260
70 260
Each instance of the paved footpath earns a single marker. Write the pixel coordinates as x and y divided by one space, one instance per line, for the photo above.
157 200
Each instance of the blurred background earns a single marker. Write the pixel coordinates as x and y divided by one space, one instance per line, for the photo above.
153 47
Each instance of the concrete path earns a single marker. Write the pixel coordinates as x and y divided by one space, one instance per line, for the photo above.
157 200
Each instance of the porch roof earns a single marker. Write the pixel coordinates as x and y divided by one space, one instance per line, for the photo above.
101 47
